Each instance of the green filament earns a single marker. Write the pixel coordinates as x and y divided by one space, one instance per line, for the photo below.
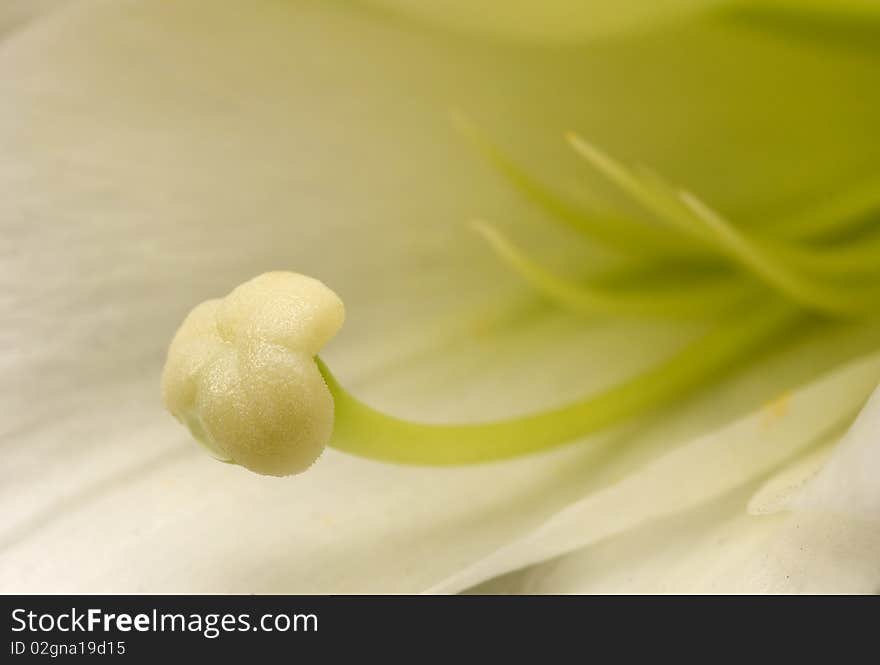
618 233
706 298
856 259
647 189
836 214
809 293
693 218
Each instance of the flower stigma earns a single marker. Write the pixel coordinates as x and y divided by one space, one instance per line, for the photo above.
241 375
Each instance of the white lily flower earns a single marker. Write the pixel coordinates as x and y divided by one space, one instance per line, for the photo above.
156 155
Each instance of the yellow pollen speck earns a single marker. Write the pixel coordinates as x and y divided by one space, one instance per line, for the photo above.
775 410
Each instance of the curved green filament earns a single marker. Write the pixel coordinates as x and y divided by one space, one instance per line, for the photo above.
841 213
698 220
707 297
617 233
366 432
650 192
773 271
664 200
857 258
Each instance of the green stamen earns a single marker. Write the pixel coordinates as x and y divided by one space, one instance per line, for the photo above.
835 214
707 298
648 190
694 218
615 232
856 259
772 270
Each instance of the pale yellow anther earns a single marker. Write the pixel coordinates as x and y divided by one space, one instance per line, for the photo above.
241 375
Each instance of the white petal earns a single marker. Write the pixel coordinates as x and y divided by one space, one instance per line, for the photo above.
156 154
777 492
828 542
691 475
